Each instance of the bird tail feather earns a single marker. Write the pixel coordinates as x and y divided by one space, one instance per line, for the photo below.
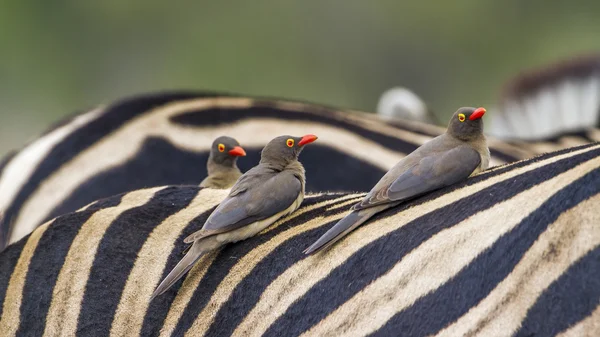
186 263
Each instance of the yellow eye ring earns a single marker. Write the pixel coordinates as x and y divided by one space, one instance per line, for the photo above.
221 147
289 142
461 117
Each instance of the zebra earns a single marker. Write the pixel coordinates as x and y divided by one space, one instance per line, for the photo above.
164 138
512 251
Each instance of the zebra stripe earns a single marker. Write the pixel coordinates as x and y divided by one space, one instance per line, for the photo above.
511 251
70 285
538 104
419 224
164 139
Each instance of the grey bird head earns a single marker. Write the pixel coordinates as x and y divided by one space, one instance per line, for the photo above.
284 149
466 123
224 151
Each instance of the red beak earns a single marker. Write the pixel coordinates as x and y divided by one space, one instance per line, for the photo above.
307 140
478 113
237 152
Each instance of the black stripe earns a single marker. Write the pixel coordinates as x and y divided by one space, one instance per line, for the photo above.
222 265
378 257
449 302
333 171
567 301
46 263
44 267
117 254
75 143
219 116
107 202
8 260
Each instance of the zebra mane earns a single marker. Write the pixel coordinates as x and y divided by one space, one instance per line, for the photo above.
513 250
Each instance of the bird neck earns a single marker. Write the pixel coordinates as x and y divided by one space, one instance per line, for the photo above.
293 166
465 137
276 164
213 168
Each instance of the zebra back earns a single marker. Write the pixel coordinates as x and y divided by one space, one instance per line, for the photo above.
511 251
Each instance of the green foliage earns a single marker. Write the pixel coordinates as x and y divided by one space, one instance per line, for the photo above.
61 56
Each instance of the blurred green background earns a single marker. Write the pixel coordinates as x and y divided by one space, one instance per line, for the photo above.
59 57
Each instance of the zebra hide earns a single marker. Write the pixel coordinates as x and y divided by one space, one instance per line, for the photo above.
512 251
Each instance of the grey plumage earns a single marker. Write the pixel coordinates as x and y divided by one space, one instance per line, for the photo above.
221 166
445 160
267 192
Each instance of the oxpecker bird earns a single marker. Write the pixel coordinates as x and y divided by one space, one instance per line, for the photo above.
445 160
221 166
260 197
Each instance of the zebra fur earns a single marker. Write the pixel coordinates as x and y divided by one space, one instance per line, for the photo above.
512 251
164 138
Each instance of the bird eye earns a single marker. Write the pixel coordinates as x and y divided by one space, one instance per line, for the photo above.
461 117
290 142
221 147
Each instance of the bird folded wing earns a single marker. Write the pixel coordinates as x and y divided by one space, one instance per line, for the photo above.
430 173
257 201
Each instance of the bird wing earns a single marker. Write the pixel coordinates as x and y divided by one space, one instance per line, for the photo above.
261 197
430 173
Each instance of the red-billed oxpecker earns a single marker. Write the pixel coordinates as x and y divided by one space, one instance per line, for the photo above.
267 192
221 166
445 160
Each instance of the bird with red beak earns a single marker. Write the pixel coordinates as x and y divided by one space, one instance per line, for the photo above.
261 196
445 160
222 163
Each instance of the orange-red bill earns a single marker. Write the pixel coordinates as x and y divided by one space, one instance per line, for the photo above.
237 151
307 140
478 113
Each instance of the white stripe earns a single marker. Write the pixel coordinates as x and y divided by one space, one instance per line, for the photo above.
20 168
